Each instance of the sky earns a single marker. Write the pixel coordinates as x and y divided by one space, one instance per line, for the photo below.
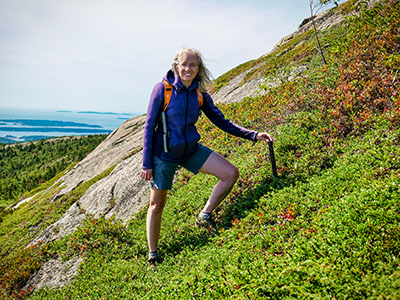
106 55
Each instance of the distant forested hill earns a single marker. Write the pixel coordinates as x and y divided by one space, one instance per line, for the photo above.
25 166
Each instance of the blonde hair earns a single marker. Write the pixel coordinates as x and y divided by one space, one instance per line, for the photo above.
204 75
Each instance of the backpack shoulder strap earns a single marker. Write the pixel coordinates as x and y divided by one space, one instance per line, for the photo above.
200 97
167 94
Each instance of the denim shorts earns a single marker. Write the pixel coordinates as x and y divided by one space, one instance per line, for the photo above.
164 171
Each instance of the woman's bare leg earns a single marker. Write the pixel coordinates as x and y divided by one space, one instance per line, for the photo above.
154 214
226 172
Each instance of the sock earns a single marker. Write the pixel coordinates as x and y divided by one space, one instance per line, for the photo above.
153 254
203 215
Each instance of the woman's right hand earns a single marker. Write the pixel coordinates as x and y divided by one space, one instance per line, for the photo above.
147 174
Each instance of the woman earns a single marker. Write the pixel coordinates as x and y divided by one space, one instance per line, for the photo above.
172 139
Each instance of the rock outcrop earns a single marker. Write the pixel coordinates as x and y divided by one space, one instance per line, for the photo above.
120 144
236 90
121 193
54 273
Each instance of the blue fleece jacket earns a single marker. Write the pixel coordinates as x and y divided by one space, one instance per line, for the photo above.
182 114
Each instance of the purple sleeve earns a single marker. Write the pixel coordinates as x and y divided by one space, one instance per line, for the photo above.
153 113
217 117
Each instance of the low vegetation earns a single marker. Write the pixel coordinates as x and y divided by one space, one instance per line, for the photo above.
326 228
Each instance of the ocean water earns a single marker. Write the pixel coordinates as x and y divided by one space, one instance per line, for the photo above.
18 125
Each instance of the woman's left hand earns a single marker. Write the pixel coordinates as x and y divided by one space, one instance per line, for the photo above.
263 136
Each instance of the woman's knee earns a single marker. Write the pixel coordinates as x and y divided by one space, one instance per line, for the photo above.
235 174
231 175
221 168
156 208
157 201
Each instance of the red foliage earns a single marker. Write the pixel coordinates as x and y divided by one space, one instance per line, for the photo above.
15 271
367 79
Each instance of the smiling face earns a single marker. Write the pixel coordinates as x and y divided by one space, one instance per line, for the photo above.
188 68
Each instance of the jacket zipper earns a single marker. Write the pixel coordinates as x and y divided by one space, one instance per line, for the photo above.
186 112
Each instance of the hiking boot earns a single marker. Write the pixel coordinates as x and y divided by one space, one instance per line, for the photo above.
154 259
205 220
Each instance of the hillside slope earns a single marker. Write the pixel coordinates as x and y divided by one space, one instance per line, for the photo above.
326 228
122 193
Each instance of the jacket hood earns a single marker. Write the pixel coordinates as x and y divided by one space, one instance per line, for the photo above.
174 79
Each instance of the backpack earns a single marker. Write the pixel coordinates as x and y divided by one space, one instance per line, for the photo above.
167 98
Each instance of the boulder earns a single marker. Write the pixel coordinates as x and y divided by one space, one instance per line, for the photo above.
54 273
